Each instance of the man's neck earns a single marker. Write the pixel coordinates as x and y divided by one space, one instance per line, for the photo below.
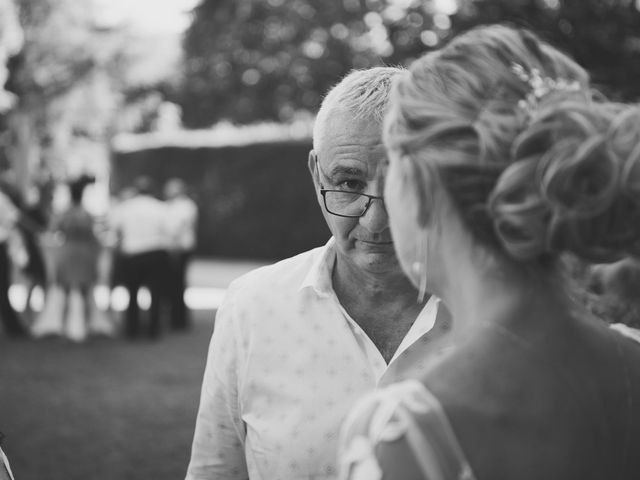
383 305
355 285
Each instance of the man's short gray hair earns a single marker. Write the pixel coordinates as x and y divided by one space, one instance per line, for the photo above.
363 93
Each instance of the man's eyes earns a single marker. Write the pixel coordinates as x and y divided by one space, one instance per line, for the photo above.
351 185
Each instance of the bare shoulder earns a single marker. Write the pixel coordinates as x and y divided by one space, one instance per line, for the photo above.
536 396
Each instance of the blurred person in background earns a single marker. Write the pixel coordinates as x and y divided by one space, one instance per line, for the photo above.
11 39
111 269
113 239
182 216
34 220
9 216
296 343
76 261
140 225
502 160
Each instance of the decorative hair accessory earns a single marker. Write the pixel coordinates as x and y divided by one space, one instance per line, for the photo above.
540 86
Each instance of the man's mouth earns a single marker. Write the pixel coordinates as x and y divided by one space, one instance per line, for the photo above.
376 242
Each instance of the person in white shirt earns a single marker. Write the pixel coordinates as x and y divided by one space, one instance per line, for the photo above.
140 224
182 216
295 344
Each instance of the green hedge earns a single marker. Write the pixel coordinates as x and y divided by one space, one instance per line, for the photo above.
256 201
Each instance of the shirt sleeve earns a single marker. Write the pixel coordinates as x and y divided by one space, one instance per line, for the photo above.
218 444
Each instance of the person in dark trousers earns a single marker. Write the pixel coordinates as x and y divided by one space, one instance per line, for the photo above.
140 223
182 215
33 221
9 215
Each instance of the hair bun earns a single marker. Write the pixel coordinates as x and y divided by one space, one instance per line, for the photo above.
574 184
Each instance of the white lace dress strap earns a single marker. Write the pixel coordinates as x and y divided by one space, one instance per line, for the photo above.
5 469
390 415
627 331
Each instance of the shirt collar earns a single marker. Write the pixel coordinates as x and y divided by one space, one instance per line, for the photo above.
319 276
424 323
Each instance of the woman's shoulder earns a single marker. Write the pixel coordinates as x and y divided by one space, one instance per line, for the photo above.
401 432
534 391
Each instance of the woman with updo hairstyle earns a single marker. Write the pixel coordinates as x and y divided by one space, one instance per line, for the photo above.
503 161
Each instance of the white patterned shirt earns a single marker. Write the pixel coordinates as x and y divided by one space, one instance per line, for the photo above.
285 364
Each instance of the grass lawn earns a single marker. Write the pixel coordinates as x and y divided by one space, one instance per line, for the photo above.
103 410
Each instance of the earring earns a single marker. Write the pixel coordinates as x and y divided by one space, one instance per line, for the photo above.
420 268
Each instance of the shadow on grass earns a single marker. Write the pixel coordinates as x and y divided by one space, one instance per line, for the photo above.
103 410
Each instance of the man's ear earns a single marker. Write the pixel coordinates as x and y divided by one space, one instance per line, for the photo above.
313 168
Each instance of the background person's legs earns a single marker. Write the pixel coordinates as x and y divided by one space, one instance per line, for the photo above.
131 278
178 284
158 272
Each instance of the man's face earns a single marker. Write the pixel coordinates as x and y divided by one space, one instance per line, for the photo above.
350 156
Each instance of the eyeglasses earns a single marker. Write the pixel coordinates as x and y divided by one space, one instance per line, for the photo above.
347 204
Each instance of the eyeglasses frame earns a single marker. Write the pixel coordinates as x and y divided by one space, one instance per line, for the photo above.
371 198
323 192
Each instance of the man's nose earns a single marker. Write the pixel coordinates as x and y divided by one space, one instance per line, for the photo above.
375 219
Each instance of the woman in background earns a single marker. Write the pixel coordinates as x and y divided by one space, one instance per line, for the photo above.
502 160
76 263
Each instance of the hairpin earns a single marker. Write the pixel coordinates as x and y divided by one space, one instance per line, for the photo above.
540 86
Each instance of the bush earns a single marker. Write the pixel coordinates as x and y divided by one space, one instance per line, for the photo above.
255 201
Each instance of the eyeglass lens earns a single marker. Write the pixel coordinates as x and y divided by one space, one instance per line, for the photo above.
346 203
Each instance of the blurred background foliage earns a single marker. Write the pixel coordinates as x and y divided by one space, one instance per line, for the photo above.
74 80
74 76
255 201
247 60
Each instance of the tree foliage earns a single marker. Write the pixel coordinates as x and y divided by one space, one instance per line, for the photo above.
11 41
247 60
251 60
60 78
602 35
58 51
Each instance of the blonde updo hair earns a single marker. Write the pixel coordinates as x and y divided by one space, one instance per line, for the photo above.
561 174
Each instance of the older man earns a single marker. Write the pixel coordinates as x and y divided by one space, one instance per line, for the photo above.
9 216
296 343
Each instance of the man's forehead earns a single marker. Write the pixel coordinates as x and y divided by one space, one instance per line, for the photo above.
340 122
366 163
351 144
